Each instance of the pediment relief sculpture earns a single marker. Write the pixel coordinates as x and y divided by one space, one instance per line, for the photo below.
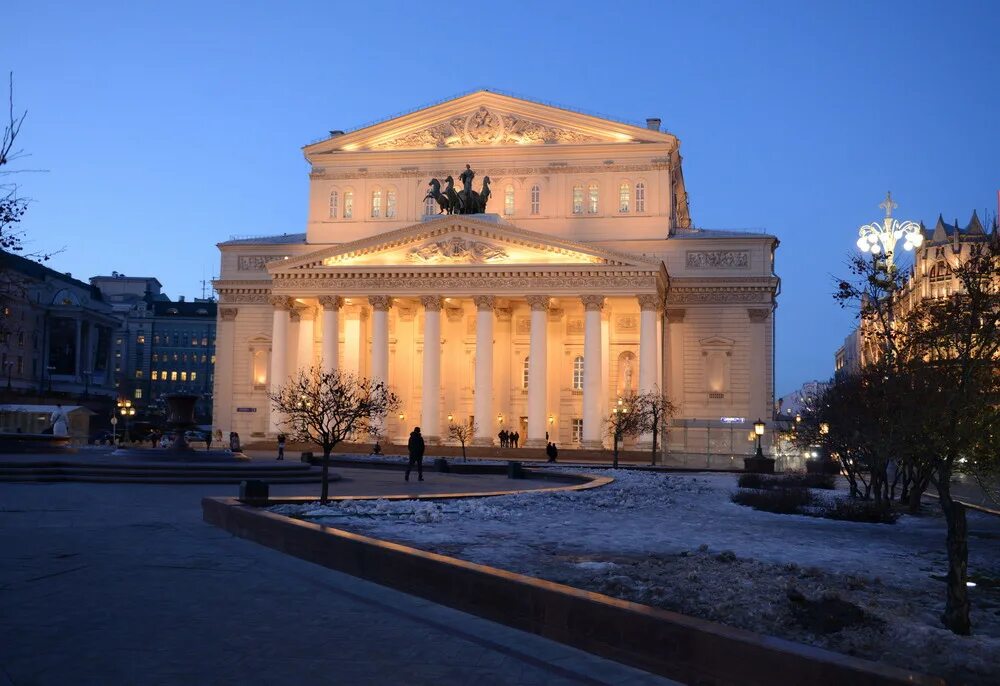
486 127
456 249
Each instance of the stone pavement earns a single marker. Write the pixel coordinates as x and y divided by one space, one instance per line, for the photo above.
124 584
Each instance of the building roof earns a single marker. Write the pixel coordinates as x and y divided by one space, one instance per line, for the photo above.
196 308
943 231
719 233
39 271
282 239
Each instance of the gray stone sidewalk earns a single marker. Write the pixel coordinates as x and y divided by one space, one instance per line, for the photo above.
123 584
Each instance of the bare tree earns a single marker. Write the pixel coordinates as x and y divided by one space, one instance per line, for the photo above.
462 433
626 420
656 410
327 407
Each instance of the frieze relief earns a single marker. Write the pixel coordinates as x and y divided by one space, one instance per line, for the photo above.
486 127
456 249
718 259
718 297
574 326
244 298
494 172
255 263
626 323
466 284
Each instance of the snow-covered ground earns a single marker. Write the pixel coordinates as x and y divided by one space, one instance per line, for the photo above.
676 541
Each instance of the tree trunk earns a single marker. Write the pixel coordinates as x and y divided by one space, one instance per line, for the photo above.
652 461
324 493
614 441
464 459
914 496
956 609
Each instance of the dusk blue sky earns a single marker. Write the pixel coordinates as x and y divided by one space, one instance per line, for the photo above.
164 128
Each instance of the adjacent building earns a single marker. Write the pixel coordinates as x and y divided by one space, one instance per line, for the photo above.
584 278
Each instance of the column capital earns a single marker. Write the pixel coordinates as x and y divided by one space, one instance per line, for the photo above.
431 302
484 303
228 314
758 314
295 314
406 313
331 302
454 314
539 303
280 302
675 314
380 303
649 301
503 314
592 303
305 313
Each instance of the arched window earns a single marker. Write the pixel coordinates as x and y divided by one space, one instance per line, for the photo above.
939 272
390 203
577 199
524 373
578 373
377 203
348 204
624 198
334 209
508 201
536 199
592 195
430 206
640 197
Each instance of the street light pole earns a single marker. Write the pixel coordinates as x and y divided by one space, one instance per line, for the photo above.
9 364
880 239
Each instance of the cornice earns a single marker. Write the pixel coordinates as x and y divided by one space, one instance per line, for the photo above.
319 172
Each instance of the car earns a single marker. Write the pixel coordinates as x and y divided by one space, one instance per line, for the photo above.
198 436
103 438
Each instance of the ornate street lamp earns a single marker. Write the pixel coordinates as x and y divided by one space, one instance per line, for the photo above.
126 410
824 428
758 429
880 239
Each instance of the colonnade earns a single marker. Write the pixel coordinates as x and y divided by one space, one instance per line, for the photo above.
595 352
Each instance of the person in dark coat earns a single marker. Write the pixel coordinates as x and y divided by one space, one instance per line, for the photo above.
503 438
517 437
281 446
416 448
551 451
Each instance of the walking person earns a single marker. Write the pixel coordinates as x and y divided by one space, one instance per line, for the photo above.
551 451
281 446
416 449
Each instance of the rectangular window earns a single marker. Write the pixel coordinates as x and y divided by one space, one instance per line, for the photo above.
173 376
592 198
20 338
194 341
156 339
153 375
140 339
577 199
376 204
536 199
194 376
348 204
390 204
577 426
213 359
156 358
184 376
138 394
204 340
138 373
20 365
204 358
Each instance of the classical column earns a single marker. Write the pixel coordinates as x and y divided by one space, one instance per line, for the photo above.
354 339
225 384
760 362
279 340
537 371
593 362
675 368
330 345
649 305
307 331
380 337
430 411
483 402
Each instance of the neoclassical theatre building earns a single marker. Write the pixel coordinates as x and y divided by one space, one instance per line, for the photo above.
582 277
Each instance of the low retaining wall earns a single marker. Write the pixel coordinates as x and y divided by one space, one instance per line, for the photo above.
684 648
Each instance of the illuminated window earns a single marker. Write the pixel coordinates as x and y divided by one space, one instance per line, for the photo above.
194 376
577 430
138 373
156 357
194 341
173 376
624 198
508 201
203 358
118 341
204 340
577 199
390 204
156 339
640 197
377 203
592 199
578 373
153 375
184 376
334 198
430 206
138 393
213 359
536 199
348 204
524 373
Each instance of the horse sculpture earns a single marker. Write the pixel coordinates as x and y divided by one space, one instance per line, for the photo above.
453 202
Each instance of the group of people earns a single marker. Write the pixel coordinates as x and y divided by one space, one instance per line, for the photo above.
508 439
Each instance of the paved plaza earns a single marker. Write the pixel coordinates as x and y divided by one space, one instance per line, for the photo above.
124 584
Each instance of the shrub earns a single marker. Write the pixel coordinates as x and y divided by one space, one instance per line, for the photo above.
853 510
752 480
825 481
778 500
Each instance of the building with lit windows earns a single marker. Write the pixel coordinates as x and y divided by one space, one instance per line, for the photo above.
584 278
161 345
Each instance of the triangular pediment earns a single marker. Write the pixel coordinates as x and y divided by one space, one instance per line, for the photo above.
484 119
461 241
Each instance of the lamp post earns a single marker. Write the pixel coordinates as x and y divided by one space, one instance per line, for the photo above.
758 430
50 369
881 238
126 410
9 364
86 383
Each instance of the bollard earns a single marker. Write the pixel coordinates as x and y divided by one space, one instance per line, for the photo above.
253 492
514 470
306 457
441 464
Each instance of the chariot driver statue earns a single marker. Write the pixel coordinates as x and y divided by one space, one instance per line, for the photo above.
466 179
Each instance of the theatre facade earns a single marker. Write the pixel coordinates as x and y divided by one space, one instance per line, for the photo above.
582 278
